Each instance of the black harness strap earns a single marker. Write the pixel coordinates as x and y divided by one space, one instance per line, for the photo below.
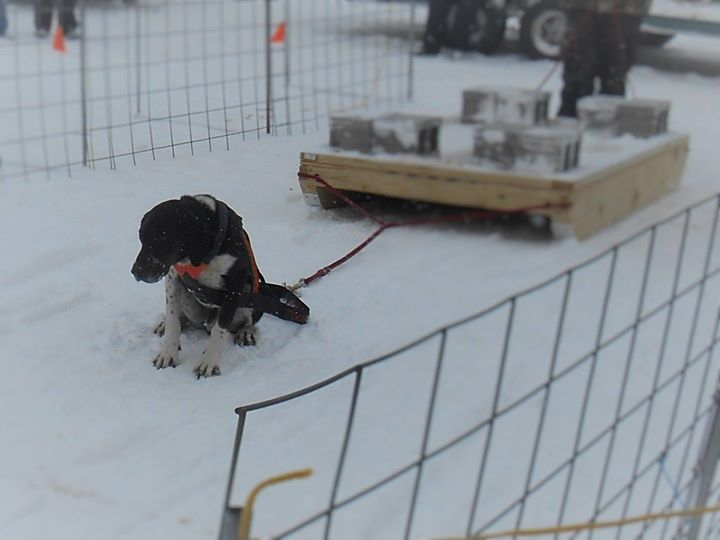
269 298
272 299
222 213
281 302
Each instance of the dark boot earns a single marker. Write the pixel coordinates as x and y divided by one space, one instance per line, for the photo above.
431 45
618 35
436 26
43 17
579 63
66 17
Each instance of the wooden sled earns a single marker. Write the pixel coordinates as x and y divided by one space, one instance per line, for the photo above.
616 178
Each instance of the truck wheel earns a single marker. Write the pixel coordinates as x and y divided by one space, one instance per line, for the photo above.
542 30
475 26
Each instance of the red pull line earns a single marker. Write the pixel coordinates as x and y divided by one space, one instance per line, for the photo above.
384 225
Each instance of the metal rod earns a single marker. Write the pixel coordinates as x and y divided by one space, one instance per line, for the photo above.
546 397
138 58
286 52
411 52
711 447
493 415
83 86
665 340
426 432
268 66
710 453
343 452
589 385
626 374
229 524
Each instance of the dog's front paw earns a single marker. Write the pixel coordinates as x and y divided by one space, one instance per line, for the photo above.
245 337
167 359
206 369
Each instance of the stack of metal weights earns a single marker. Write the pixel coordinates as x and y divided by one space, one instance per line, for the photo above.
514 131
514 106
390 133
615 116
550 147
599 113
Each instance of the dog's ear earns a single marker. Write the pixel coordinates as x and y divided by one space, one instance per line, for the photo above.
199 226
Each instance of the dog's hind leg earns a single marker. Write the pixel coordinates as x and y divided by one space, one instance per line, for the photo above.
245 336
244 330
170 354
196 313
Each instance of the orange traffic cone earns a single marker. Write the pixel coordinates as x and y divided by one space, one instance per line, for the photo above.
59 42
279 35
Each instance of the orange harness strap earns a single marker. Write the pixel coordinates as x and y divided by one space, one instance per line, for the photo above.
193 271
253 264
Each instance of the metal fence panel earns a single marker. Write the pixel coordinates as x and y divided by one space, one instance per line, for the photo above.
159 78
584 398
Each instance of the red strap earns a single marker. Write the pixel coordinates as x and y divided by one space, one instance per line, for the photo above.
193 271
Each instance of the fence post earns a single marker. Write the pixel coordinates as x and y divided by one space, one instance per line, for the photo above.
230 524
268 65
83 84
343 450
286 53
707 461
411 50
138 49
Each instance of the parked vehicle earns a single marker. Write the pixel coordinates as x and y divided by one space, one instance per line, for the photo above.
539 25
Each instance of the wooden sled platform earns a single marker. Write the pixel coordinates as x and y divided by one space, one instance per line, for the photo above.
616 178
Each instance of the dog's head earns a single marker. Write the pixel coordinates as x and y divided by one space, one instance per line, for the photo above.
172 231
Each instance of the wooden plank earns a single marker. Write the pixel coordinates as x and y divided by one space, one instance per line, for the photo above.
430 169
602 201
498 199
460 188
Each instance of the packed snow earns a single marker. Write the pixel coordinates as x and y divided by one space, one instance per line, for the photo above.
99 444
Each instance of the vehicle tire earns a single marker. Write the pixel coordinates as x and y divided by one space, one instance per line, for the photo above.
542 30
475 26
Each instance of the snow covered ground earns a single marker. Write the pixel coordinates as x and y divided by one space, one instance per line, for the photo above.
98 444
700 10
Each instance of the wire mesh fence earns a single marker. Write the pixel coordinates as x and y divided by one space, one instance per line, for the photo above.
156 78
581 399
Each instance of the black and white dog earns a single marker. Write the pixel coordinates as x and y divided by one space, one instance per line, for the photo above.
211 279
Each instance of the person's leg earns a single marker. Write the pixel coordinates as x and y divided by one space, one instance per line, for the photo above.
579 62
436 26
3 18
66 16
43 16
619 37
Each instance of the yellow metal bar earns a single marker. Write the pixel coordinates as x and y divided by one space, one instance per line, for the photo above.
246 519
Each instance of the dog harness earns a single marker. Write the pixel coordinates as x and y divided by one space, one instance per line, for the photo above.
195 271
266 297
271 299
